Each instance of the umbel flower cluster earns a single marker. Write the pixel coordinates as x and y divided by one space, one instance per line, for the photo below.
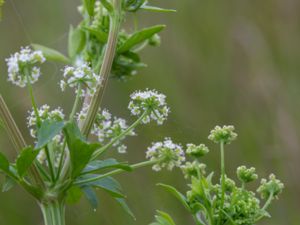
224 202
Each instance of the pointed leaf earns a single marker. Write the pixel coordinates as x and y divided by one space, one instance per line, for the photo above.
139 37
90 6
47 131
73 195
25 160
107 5
156 9
51 54
124 205
99 34
91 196
177 194
9 183
4 163
107 183
76 41
105 164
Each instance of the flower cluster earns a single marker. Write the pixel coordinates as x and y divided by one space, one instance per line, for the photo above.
22 66
193 169
246 175
165 154
273 187
223 134
82 76
151 102
44 114
196 151
106 128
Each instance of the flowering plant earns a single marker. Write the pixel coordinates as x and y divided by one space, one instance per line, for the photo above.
224 202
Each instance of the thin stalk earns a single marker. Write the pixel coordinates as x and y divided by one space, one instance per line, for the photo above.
76 103
222 177
116 139
266 205
198 222
105 68
51 168
117 171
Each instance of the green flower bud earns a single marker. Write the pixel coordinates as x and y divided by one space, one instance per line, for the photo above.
196 151
246 175
155 40
191 169
272 187
223 134
229 184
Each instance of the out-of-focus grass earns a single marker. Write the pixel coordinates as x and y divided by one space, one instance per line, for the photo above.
221 62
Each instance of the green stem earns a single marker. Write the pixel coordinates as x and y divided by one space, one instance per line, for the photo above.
117 171
198 222
76 103
266 205
116 139
222 177
53 213
51 168
105 68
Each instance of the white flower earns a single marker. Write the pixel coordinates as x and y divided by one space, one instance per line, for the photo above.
44 114
106 127
165 154
151 102
22 64
82 75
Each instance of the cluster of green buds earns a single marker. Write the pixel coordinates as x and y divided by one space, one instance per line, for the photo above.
224 202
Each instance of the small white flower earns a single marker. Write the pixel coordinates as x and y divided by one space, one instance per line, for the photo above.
44 114
22 64
149 101
166 154
81 75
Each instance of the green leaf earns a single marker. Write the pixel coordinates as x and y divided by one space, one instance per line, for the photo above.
177 194
8 184
74 195
99 34
90 6
124 205
72 129
91 196
156 9
76 41
139 37
47 131
25 160
107 183
4 163
51 54
107 5
105 164
163 219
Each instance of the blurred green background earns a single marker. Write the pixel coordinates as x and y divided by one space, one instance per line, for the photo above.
221 62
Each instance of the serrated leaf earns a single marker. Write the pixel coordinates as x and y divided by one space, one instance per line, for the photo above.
51 54
8 184
73 195
91 196
25 160
90 6
177 194
156 9
124 205
47 131
107 183
139 37
105 164
4 163
76 41
99 34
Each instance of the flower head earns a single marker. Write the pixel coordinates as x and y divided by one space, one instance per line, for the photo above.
165 154
81 75
246 175
223 134
272 187
23 64
193 169
45 114
151 102
196 151
106 128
